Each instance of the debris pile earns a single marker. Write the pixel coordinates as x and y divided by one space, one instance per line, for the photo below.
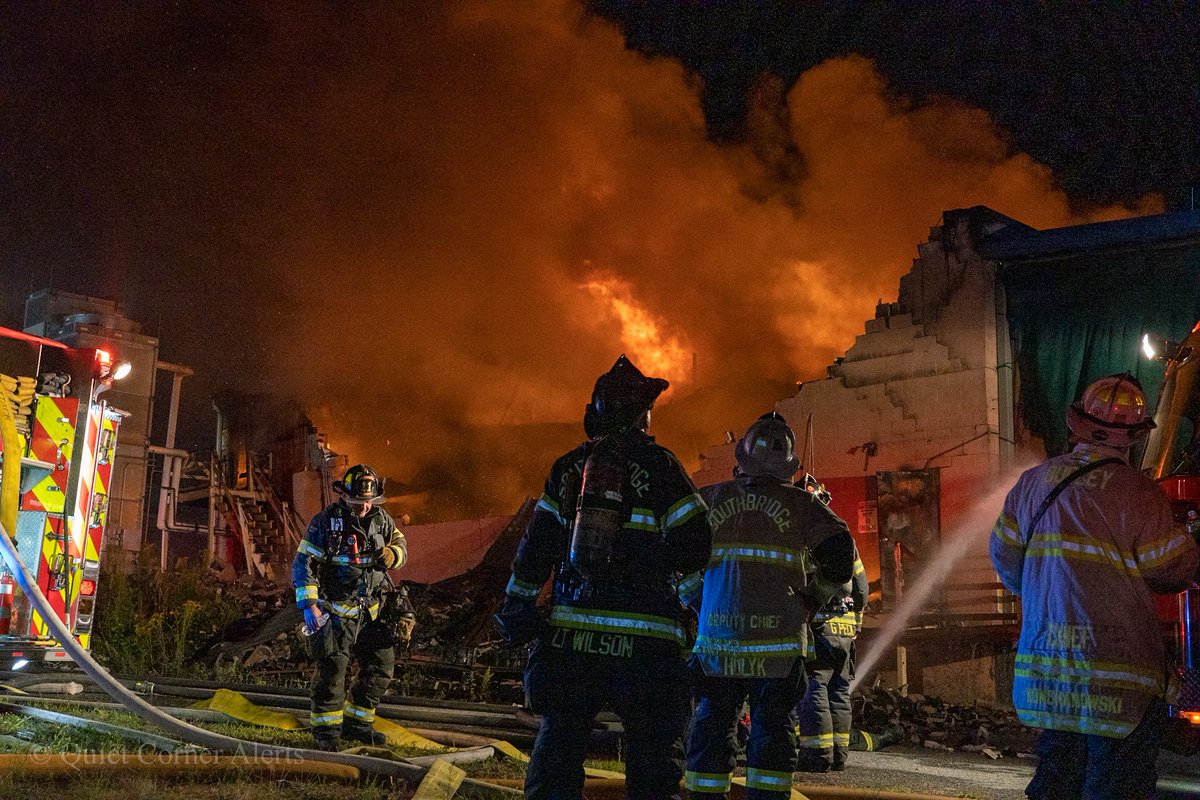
936 725
264 641
454 616
454 652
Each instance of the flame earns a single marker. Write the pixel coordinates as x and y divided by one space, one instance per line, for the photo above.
653 352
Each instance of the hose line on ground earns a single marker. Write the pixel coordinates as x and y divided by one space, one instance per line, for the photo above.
179 728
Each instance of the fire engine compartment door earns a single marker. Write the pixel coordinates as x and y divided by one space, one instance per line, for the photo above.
53 442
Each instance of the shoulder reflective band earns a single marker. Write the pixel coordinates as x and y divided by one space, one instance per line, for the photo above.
547 503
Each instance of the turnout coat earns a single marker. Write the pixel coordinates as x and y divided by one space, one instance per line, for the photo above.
1091 655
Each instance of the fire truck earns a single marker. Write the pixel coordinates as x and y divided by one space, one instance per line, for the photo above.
1172 457
57 428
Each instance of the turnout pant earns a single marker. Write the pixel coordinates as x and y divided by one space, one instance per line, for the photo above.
372 642
572 676
824 713
771 750
1076 766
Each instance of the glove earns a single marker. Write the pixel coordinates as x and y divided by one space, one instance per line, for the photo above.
518 621
314 618
404 627
389 557
404 614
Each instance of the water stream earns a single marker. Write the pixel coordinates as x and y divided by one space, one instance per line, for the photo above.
969 535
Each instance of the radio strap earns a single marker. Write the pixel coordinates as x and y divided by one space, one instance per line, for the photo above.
1064 483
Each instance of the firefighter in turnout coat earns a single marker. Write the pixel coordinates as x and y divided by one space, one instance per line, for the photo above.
1086 540
618 521
340 575
777 553
825 715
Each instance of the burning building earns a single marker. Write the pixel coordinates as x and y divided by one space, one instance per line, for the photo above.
962 382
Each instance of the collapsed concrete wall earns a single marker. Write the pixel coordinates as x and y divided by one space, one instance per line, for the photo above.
926 387
928 383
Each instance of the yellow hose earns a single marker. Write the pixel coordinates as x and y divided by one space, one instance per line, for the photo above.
45 764
10 483
190 733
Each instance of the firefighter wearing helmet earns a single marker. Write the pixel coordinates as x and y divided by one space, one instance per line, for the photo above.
618 520
1086 541
824 716
778 552
342 585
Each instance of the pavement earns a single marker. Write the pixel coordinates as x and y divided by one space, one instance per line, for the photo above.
908 768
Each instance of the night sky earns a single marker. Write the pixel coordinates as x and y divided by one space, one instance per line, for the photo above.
1107 95
436 223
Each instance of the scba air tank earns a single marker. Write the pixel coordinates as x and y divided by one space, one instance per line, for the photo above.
599 515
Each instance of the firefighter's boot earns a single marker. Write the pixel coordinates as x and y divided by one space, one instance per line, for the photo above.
862 740
360 732
813 760
327 738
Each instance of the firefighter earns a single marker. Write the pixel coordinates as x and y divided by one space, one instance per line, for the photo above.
824 714
618 520
342 586
1086 540
777 552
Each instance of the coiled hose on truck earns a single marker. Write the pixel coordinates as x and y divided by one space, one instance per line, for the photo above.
190 733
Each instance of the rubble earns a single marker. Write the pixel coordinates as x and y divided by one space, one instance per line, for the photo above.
263 642
455 651
935 725
454 616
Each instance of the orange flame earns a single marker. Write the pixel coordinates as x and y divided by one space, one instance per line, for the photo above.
653 352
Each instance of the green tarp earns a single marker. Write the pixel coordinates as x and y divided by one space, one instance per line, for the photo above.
1079 318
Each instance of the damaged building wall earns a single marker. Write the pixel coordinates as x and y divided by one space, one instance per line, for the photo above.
936 383
927 386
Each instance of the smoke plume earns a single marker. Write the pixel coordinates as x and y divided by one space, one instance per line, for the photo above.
436 224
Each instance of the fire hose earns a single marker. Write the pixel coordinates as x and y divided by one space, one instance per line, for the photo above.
467 745
190 733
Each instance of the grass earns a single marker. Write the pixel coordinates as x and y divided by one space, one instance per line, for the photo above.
153 623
